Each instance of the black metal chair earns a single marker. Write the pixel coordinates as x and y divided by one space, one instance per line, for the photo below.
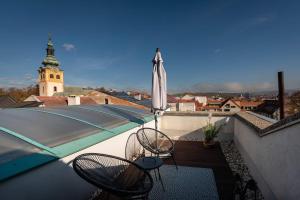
135 152
156 142
116 177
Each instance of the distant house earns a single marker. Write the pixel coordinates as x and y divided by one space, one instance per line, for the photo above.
186 105
211 108
144 103
269 108
105 98
7 101
123 99
230 105
188 97
172 103
201 99
55 101
214 102
248 105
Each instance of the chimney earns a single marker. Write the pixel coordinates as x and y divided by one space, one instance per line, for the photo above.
281 94
73 100
138 96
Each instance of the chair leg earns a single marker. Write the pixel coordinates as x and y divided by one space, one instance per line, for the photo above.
172 156
155 175
161 180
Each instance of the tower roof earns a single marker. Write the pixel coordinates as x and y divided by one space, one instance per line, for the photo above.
50 59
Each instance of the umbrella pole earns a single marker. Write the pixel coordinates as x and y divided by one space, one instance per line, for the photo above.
155 119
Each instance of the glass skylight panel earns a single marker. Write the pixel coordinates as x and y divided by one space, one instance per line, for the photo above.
98 118
47 129
133 109
12 148
121 112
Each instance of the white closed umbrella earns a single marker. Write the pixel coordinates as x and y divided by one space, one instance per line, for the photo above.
159 85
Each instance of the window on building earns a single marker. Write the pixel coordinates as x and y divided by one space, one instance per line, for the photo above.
106 101
51 76
55 89
43 75
57 76
232 106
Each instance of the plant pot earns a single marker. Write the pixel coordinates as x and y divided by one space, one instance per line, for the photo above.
209 144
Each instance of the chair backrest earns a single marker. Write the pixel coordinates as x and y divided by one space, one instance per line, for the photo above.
155 141
113 174
133 149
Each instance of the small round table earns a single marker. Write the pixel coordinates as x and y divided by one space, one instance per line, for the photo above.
151 163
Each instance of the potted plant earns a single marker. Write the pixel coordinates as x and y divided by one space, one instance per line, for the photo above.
210 132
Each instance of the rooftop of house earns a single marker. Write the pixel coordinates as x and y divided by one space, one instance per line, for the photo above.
7 101
55 101
171 99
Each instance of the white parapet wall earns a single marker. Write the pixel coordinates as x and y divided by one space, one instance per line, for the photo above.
57 180
273 160
189 125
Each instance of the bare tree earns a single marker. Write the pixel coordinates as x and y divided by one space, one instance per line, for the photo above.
294 103
19 94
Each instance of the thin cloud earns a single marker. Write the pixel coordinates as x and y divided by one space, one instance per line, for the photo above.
262 20
19 82
254 22
216 51
68 46
232 87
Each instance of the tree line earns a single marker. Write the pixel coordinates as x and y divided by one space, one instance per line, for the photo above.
20 94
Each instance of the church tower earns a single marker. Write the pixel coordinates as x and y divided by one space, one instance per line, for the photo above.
51 77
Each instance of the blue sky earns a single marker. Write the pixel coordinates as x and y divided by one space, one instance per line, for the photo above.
207 45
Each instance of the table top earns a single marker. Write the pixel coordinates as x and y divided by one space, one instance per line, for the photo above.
149 163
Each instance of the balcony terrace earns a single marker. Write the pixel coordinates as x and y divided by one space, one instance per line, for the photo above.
249 144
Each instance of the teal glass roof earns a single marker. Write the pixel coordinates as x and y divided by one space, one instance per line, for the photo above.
12 148
30 137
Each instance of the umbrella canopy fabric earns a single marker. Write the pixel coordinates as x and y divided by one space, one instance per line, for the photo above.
159 83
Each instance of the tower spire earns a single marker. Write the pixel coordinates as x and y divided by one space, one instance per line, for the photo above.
49 40
50 59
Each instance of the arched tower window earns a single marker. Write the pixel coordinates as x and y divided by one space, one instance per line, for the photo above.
51 76
57 76
55 89
43 75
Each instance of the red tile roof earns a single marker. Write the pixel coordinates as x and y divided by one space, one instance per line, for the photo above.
210 107
198 106
214 101
186 101
63 101
171 99
250 103
232 100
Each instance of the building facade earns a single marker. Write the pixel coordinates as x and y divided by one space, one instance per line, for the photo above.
51 77
230 106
